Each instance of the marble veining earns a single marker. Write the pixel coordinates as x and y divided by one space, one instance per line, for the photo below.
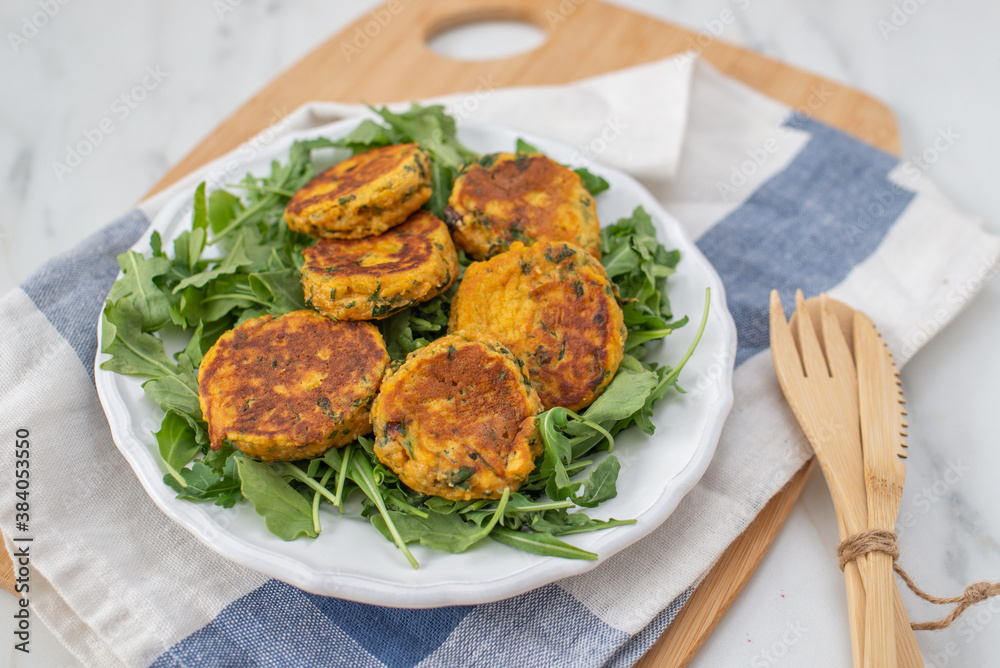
935 66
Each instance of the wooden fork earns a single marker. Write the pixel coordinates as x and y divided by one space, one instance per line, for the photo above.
822 388
825 403
907 651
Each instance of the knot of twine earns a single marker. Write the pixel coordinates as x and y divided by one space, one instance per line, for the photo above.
877 540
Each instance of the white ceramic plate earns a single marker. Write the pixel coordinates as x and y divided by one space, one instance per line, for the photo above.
350 559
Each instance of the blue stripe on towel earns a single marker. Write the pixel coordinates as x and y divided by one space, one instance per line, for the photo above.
274 626
415 633
543 628
552 629
71 288
806 227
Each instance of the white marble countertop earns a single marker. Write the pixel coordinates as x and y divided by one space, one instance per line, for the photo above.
937 65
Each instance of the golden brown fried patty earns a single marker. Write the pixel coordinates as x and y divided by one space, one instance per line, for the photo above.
363 195
554 307
457 419
292 386
507 198
374 277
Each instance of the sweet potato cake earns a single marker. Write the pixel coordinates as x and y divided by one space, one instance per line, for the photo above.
457 419
374 277
364 195
292 386
554 307
523 197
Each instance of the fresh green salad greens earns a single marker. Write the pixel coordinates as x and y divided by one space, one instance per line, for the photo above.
239 260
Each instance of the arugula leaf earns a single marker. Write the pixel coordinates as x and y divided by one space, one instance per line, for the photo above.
188 247
219 459
176 440
626 394
449 533
193 351
134 352
524 147
234 259
639 265
222 296
202 483
430 127
223 207
540 543
592 182
286 512
281 288
561 522
138 287
442 179
601 485
174 393
429 318
366 136
199 219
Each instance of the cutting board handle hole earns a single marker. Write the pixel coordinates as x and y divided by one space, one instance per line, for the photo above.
485 35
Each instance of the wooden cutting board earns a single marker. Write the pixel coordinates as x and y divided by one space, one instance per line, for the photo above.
584 38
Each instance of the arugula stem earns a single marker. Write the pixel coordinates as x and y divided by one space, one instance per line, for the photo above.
366 480
598 428
485 531
240 219
174 473
640 337
265 189
342 476
577 466
540 507
676 371
233 295
606 525
296 472
323 481
407 508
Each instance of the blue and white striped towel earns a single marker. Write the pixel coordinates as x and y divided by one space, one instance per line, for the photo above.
774 199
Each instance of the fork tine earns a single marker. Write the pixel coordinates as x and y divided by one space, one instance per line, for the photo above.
838 354
786 357
812 355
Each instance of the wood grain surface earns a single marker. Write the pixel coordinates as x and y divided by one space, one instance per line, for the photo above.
584 38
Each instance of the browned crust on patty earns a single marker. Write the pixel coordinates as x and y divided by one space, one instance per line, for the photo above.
553 305
521 197
292 386
363 195
374 277
457 419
